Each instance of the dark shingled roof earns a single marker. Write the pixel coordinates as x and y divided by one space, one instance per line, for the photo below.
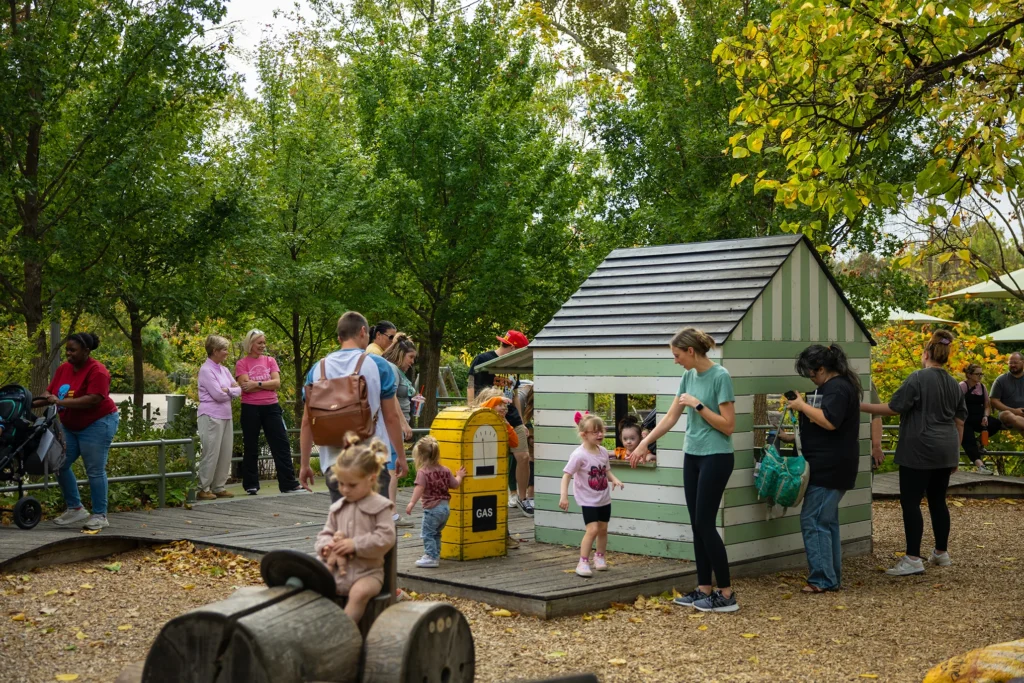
642 296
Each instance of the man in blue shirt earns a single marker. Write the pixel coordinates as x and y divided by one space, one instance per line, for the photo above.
354 337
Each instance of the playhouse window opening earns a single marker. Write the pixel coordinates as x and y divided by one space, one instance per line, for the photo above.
612 408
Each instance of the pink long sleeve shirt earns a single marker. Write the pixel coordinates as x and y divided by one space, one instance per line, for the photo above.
213 400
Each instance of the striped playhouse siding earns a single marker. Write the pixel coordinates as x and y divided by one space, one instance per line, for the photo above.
794 303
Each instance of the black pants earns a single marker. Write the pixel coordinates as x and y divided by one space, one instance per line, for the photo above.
704 480
383 481
271 420
972 427
915 485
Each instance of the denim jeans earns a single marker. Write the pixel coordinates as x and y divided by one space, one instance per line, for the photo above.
819 522
93 445
434 520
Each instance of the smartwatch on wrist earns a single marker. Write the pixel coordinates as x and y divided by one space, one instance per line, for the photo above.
699 407
259 384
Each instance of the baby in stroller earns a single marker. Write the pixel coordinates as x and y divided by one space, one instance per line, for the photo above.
29 445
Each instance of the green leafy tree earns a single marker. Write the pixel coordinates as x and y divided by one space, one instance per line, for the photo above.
889 105
82 84
299 156
480 204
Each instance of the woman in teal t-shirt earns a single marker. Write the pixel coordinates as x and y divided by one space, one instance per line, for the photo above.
706 394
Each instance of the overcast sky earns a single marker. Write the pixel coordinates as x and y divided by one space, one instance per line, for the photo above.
251 19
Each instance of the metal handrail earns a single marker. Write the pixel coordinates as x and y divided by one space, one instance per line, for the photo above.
162 475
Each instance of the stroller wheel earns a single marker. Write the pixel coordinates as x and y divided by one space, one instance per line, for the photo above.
27 512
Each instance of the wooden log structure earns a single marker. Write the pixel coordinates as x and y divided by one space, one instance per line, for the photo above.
419 642
272 635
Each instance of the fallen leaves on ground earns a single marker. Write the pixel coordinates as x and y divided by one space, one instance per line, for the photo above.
803 636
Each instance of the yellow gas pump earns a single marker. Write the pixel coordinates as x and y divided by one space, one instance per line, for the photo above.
474 439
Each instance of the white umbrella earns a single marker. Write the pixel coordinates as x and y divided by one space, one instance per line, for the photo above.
1014 333
900 316
989 289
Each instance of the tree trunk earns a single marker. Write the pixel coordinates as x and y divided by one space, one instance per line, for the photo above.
298 365
430 367
138 372
39 377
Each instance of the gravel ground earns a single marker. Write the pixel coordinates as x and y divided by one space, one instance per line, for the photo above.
92 618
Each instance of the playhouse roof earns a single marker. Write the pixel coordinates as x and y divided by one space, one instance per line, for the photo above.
642 296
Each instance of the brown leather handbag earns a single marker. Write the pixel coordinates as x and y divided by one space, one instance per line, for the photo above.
339 405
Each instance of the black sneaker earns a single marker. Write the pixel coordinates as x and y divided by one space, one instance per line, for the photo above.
716 602
690 598
252 492
525 506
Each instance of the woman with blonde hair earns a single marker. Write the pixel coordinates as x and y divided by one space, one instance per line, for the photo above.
706 394
216 429
932 413
260 377
400 355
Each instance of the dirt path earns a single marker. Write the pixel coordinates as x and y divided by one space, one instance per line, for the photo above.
89 620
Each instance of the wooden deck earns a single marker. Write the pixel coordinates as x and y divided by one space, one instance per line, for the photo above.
961 483
536 579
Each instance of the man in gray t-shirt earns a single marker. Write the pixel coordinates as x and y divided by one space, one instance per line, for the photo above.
1007 394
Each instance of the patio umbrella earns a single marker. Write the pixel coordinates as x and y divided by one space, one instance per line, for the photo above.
901 316
989 289
1014 333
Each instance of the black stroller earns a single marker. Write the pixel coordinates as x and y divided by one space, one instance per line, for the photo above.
29 445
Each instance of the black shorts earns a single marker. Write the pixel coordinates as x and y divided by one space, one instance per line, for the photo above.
598 514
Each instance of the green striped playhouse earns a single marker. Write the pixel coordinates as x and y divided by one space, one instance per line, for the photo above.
763 300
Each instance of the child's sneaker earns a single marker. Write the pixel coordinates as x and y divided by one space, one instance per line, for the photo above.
427 562
690 598
940 559
716 602
583 568
513 500
599 562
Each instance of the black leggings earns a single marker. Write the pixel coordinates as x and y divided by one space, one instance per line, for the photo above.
914 485
271 420
970 441
704 480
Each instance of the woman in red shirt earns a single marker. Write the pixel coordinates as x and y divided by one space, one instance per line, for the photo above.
81 391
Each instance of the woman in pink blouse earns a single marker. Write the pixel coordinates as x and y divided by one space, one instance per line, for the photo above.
260 377
216 431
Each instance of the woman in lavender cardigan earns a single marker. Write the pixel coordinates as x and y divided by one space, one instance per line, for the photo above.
216 389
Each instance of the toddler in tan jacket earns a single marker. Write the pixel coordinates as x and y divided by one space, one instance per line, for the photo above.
359 530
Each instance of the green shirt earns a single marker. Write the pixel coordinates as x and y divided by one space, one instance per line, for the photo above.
712 388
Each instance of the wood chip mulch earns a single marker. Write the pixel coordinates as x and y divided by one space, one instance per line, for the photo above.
90 619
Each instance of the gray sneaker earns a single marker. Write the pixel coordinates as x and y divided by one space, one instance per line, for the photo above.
906 567
97 522
72 516
716 602
690 598
981 469
402 521
940 559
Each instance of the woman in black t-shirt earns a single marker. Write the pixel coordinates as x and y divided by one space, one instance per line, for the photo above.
932 411
829 430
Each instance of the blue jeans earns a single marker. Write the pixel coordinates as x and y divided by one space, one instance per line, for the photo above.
93 445
434 520
819 522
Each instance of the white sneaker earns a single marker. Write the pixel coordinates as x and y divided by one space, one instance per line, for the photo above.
940 559
583 568
71 516
906 567
513 500
97 522
427 562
